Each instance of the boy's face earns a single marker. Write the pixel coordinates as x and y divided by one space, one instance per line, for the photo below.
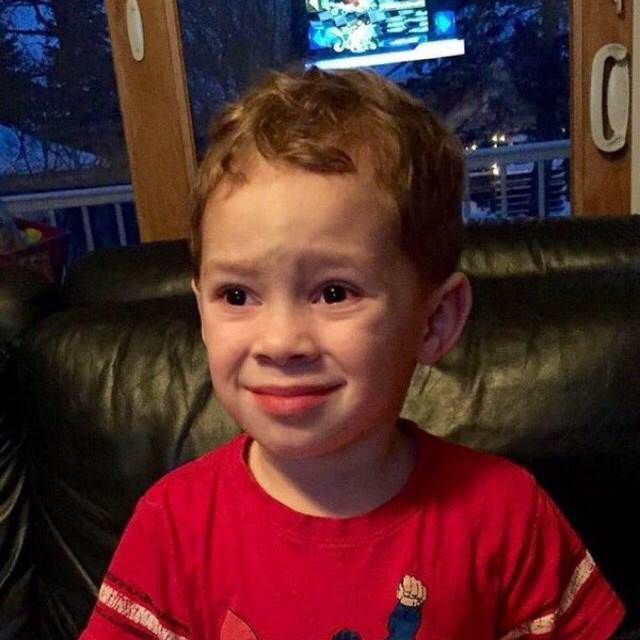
311 315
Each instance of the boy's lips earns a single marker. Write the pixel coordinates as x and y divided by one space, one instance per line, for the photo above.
289 401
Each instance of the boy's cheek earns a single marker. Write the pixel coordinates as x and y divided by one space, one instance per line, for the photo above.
220 334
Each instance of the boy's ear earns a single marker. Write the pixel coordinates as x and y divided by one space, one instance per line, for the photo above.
449 309
196 291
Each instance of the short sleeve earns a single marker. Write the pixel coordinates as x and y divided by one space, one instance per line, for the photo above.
142 595
554 590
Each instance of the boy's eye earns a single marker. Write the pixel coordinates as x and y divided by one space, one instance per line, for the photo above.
235 296
334 293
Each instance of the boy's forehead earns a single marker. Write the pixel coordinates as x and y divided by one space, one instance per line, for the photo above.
332 207
303 199
304 222
268 211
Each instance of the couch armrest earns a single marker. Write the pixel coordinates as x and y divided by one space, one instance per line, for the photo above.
25 298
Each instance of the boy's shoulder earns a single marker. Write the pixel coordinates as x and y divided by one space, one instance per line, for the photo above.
473 480
449 459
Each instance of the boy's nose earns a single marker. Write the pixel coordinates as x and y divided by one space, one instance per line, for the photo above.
286 337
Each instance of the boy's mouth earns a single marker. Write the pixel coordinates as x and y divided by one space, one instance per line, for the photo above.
289 401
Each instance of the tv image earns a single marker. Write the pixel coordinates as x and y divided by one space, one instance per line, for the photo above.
357 33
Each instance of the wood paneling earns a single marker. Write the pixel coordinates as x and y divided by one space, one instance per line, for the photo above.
600 183
157 118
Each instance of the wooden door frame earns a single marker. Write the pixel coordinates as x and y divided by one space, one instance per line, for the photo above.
157 120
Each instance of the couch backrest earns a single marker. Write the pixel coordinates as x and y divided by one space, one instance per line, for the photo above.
162 269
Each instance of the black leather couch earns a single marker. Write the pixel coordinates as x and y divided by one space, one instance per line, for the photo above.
104 388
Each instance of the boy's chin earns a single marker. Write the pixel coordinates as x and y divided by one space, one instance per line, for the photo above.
292 452
293 443
299 446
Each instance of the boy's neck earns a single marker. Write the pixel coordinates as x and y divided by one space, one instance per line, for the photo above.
346 483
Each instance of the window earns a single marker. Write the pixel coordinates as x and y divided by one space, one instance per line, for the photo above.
508 100
506 96
60 125
228 44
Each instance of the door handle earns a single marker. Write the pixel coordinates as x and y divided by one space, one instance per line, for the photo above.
135 30
615 88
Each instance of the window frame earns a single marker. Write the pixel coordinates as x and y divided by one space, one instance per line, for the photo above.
154 99
156 115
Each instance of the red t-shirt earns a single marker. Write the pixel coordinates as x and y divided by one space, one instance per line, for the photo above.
471 548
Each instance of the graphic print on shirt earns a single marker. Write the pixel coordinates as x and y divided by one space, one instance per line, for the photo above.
403 623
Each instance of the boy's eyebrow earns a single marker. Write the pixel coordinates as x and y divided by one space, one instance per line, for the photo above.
249 268
244 269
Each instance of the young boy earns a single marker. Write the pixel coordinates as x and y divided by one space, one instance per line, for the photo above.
325 240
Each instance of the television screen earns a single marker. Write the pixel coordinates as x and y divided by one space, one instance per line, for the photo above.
356 33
